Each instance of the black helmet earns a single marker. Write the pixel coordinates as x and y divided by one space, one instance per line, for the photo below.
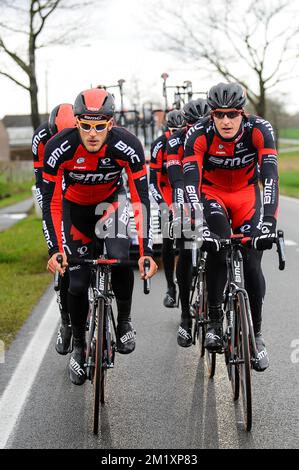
195 109
226 95
174 119
94 102
61 117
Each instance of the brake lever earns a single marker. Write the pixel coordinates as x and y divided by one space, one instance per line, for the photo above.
280 249
57 276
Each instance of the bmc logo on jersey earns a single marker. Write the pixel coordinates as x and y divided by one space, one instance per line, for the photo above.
194 128
174 142
157 147
56 154
232 162
127 150
42 133
94 178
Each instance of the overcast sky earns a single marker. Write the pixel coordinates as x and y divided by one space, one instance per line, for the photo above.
117 42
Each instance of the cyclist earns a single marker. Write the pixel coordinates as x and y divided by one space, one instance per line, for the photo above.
224 159
61 117
161 191
191 112
89 160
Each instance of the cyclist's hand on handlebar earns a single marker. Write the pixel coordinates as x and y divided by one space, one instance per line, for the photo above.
263 242
54 266
266 238
153 268
210 241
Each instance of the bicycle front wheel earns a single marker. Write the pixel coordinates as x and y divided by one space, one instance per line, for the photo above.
244 361
231 351
98 379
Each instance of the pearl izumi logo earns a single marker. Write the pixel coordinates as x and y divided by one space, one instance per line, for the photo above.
80 160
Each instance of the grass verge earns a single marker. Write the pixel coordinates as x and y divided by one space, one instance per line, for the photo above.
23 279
13 192
15 198
289 174
291 133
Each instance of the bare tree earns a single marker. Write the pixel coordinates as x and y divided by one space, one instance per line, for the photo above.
30 21
251 43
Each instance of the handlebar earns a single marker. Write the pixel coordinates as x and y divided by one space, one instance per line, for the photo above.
239 239
114 262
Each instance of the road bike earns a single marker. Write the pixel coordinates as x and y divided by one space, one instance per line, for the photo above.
199 306
101 325
239 345
239 340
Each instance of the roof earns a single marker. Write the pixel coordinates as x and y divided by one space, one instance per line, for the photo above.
21 120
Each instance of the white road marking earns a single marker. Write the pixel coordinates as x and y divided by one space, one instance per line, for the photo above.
17 390
290 243
13 216
291 199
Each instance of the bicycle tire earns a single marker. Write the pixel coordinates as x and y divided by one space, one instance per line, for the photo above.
244 365
231 356
211 363
209 356
98 382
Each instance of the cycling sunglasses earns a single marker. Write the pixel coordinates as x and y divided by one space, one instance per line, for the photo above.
231 114
98 126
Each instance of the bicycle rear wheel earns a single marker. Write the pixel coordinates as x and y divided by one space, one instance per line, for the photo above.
98 379
244 361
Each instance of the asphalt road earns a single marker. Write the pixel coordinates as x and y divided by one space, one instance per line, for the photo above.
12 214
159 397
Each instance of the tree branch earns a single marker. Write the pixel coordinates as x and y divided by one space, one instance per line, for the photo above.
14 80
15 57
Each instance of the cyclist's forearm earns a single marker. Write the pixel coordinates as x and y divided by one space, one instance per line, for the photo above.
155 187
52 215
270 182
38 173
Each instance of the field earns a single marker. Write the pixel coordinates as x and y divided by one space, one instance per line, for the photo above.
289 133
23 279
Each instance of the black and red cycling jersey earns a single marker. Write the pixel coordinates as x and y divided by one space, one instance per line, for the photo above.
159 182
226 170
40 137
87 179
175 155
